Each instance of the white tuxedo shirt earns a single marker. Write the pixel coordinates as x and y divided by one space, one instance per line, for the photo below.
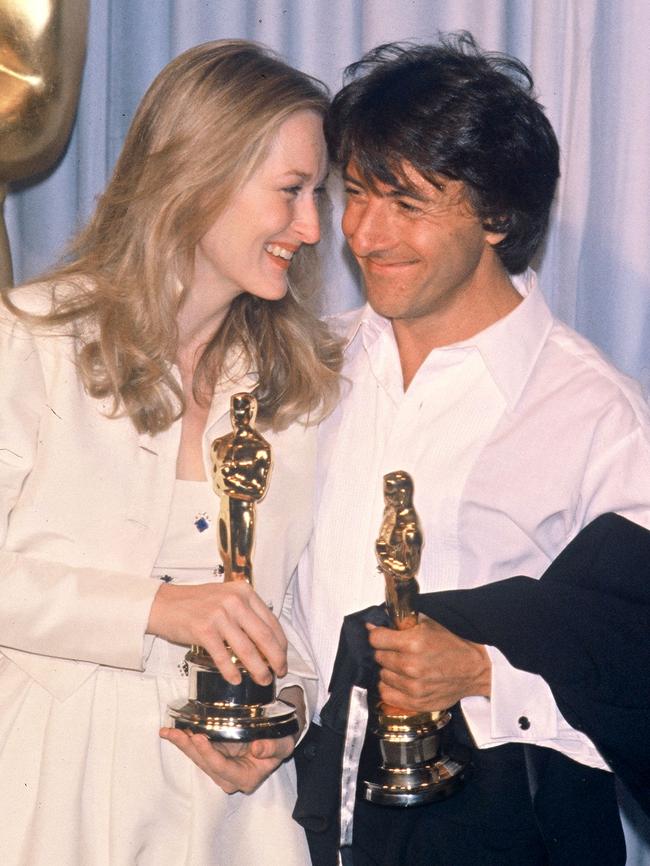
515 439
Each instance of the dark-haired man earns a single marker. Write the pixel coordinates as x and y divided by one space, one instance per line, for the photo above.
516 431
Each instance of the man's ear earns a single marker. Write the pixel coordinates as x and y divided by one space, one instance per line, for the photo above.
495 230
494 238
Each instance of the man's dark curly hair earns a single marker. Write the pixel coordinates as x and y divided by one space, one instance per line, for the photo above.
453 110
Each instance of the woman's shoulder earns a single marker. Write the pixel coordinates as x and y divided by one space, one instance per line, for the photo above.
33 299
34 309
41 298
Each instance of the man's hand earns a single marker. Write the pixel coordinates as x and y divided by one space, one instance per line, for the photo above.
232 766
427 667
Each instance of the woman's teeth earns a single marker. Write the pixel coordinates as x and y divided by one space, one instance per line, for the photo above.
281 252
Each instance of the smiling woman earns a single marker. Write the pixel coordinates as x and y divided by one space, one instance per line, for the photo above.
195 278
251 244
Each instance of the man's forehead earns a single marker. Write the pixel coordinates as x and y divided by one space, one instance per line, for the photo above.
398 178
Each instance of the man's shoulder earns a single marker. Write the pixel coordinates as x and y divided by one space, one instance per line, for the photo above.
571 359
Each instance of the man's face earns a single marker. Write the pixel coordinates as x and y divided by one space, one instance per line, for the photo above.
420 247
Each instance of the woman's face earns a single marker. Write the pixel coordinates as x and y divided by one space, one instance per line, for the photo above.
250 245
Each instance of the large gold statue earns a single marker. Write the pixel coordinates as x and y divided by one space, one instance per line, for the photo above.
410 769
398 549
42 50
241 464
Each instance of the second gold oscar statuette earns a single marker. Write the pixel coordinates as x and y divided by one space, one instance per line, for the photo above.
413 770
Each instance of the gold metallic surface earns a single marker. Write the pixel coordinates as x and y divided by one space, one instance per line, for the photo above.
6 273
399 548
241 465
42 51
412 770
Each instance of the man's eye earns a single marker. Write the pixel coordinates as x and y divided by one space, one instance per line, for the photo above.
352 190
407 207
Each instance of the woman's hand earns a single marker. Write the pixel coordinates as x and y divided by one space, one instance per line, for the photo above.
212 614
239 766
233 766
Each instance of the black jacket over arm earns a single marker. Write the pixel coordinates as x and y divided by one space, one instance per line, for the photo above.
584 626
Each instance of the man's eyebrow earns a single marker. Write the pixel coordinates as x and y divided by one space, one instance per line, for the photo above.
349 179
395 191
399 191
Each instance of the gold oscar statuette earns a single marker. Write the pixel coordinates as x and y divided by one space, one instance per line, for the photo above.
42 51
241 466
413 771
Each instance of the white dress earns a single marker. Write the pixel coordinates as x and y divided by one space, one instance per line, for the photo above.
96 786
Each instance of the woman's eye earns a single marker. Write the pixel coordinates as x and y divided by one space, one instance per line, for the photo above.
291 190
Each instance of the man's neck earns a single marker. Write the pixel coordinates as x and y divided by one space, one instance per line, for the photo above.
470 315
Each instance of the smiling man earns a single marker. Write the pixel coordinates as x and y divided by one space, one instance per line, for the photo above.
516 431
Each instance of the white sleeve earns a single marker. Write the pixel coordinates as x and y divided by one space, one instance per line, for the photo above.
50 608
521 706
300 670
522 709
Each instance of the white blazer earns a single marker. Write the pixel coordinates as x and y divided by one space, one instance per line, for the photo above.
84 503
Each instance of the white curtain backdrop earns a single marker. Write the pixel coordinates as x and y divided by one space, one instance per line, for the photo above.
591 64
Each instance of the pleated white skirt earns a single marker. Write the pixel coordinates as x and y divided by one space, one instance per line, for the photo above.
87 782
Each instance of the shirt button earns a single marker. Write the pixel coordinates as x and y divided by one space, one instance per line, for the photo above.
523 722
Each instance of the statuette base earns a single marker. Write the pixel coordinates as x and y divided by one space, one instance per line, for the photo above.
413 772
415 786
223 711
235 723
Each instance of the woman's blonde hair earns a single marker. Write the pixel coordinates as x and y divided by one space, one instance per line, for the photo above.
201 130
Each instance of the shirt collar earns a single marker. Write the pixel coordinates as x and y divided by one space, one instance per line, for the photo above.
509 347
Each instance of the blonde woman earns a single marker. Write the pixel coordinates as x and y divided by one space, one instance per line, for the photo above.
193 280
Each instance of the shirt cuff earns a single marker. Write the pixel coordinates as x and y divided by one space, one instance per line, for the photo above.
521 707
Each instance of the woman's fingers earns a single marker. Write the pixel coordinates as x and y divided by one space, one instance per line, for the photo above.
232 766
216 615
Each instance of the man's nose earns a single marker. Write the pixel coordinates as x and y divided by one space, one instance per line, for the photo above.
365 227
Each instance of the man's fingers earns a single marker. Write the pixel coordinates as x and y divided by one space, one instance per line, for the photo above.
401 665
381 638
